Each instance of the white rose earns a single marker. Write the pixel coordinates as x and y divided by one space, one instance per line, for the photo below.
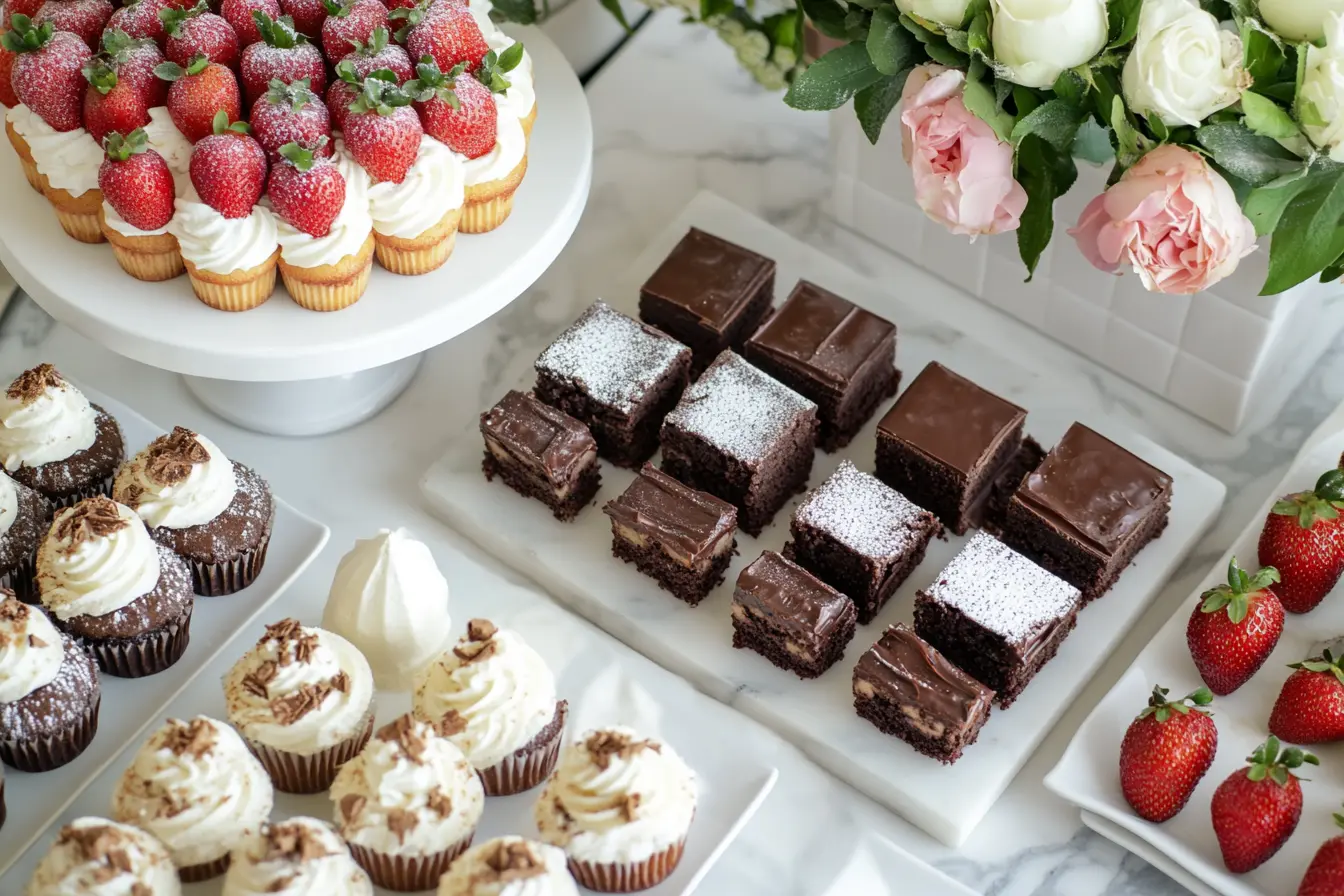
1300 19
944 12
1036 40
1320 102
1183 67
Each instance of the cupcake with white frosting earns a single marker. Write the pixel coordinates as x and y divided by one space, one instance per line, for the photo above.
98 857
303 700
49 691
53 440
25 517
109 584
492 179
509 866
213 512
494 696
231 261
67 164
16 117
415 221
520 98
296 857
620 806
195 786
408 805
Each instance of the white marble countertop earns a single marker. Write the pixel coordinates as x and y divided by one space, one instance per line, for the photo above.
673 115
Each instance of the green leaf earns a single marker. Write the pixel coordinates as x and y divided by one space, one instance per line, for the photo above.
979 99
1056 122
509 59
1124 21
524 12
1309 237
875 103
1132 143
977 35
1267 118
1262 55
832 80
957 40
1266 205
1046 174
827 16
614 7
891 48
936 45
1250 157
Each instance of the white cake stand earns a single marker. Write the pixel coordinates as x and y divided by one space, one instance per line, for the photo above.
280 369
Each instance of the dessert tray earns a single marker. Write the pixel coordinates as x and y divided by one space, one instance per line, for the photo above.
573 561
131 705
1087 773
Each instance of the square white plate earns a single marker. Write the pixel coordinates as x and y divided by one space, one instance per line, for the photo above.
130 704
574 562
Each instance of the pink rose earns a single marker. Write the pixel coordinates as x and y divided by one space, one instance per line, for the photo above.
1173 218
963 171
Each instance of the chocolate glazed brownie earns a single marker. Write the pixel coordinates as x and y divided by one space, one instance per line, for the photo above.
791 617
541 453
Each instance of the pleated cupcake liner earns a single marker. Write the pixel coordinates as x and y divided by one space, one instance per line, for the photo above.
408 874
22 580
414 262
243 295
297 773
151 267
81 226
30 174
615 877
143 656
516 774
42 754
230 576
485 216
195 874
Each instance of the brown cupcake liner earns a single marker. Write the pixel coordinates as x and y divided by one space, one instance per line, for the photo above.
194 874
408 874
2 803
22 579
230 576
628 878
42 754
297 773
147 655
104 489
519 773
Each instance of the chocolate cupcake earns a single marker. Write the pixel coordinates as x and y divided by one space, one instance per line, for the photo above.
214 513
98 857
107 583
49 692
54 441
25 517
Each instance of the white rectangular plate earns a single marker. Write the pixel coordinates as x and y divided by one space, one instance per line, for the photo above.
1086 774
574 562
130 704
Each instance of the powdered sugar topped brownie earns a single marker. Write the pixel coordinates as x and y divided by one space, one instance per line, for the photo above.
864 514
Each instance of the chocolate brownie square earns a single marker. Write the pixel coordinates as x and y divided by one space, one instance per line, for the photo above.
709 294
860 536
906 688
617 376
833 352
791 617
541 453
743 436
944 443
997 615
1087 510
682 538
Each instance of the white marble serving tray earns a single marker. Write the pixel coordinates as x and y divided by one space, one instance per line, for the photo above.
129 705
574 562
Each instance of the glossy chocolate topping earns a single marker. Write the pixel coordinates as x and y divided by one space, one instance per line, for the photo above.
1093 490
790 598
827 337
672 514
538 434
951 419
906 670
709 277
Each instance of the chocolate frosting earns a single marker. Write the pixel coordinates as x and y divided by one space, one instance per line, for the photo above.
907 670
709 277
822 335
538 434
790 598
1093 490
673 514
950 419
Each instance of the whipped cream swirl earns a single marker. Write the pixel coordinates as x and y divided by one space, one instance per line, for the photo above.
96 560
522 94
509 866
202 482
9 503
433 187
296 857
31 650
97 857
510 147
168 141
69 159
44 419
480 11
218 244
348 232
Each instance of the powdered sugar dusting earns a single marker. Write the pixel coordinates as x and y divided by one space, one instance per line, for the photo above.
865 514
1003 590
739 409
57 706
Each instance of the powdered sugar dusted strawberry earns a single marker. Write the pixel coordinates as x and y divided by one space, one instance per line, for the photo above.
135 61
13 8
455 109
111 105
228 169
446 32
8 98
136 181
283 55
342 93
378 53
382 131
84 18
238 13
198 93
139 19
48 74
308 16
291 113
350 23
307 192
198 32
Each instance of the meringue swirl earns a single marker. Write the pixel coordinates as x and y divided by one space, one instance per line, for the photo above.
31 650
60 422
433 187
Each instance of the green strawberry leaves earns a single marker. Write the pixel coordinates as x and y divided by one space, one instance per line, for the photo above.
495 67
100 74
295 95
1321 503
172 17
24 37
220 124
377 43
119 148
379 93
1326 663
1234 597
278 33
1268 761
431 83
1162 709
300 156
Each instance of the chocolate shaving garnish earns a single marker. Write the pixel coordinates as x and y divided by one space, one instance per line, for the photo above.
340 682
35 641
101 844
401 822
294 706
30 384
95 517
194 738
440 803
402 732
132 494
257 683
481 629
474 651
293 842
453 722
603 745
171 457
281 631
630 807
351 805
294 644
15 614
508 861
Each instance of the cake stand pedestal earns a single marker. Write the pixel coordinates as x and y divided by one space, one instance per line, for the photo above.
280 369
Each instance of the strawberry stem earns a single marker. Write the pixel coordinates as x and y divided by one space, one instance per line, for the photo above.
1325 663
1269 762
1235 596
1161 708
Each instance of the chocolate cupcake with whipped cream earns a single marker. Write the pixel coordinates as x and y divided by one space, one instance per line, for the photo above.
54 441
296 857
25 517
216 514
509 866
303 700
109 584
494 697
195 786
98 857
49 691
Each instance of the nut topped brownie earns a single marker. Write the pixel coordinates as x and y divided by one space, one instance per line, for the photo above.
709 294
791 617
541 452
1087 510
860 536
832 351
742 436
944 443
907 689
997 615
680 537
617 376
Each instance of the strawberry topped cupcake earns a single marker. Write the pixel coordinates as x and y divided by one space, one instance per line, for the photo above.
138 202
507 71
415 221
283 55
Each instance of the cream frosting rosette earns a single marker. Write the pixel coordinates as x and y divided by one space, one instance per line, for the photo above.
98 857
98 558
179 481
44 421
509 866
296 857
32 651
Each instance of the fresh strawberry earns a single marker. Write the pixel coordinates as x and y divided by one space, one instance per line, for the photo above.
444 31
48 75
1256 809
382 131
1304 539
378 53
136 181
344 90
350 24
400 4
1325 874
307 191
283 55
135 60
8 98
139 19
455 109
238 13
1234 628
13 8
307 15
1165 753
228 168
198 32
198 93
1310 707
83 18
291 113
111 105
